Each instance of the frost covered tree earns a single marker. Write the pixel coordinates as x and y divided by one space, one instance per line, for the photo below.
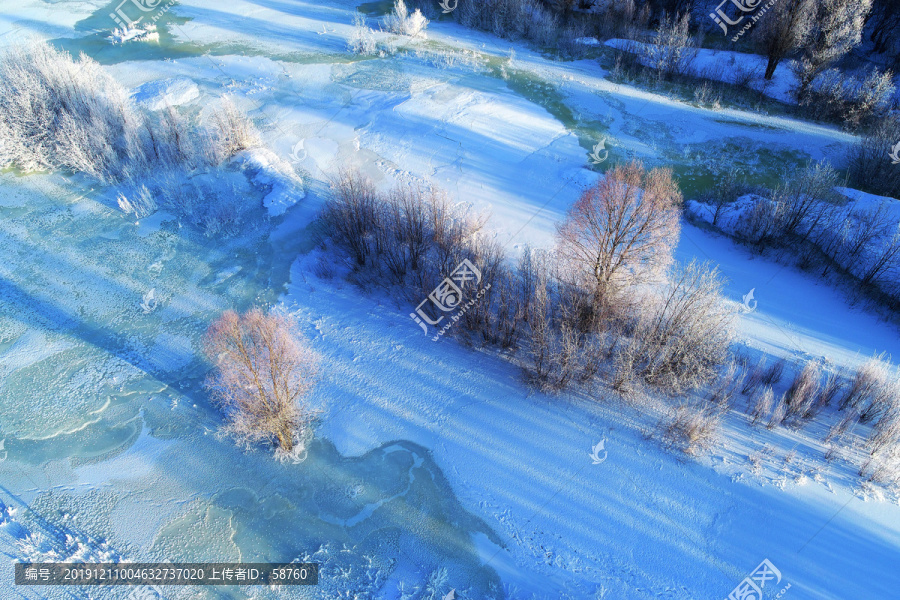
835 30
264 371
673 48
622 230
403 23
783 29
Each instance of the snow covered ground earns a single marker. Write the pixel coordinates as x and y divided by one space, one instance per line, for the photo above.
430 456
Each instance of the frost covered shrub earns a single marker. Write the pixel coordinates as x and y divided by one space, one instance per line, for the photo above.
801 394
141 203
692 429
673 49
772 375
622 19
362 40
728 187
867 378
886 430
528 19
850 99
58 113
754 378
403 23
800 207
726 385
870 166
760 225
680 339
804 199
350 215
264 371
762 405
412 237
778 413
232 131
845 424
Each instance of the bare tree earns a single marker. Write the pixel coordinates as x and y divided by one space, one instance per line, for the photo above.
782 29
803 194
351 214
264 370
835 30
622 230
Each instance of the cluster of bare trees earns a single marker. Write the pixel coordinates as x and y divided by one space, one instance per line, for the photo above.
263 373
57 113
607 302
817 35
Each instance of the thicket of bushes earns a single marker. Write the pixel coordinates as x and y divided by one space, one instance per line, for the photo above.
868 397
807 218
606 304
57 113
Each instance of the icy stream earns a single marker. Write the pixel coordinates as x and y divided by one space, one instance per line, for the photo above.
109 445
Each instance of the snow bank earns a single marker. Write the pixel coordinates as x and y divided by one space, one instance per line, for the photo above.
157 95
266 169
731 67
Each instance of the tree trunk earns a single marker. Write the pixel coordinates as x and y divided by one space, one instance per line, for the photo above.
770 67
285 439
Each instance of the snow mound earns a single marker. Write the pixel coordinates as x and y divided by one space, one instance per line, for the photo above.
157 95
864 201
266 169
